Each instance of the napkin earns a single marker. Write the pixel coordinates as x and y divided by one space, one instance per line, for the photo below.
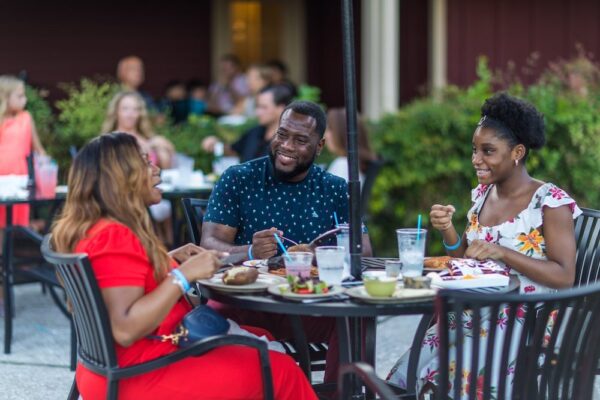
13 187
466 273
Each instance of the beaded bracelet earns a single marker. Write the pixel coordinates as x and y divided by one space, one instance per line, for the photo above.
179 279
454 246
250 253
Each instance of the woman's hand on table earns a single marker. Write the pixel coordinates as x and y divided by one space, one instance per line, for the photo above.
181 254
201 266
441 216
482 250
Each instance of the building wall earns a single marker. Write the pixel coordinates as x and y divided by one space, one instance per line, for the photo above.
414 48
62 41
324 49
511 30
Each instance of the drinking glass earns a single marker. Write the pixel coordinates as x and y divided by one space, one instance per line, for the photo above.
298 263
330 261
46 178
393 268
411 247
343 240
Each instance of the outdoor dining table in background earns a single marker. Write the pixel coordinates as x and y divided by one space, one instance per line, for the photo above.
353 319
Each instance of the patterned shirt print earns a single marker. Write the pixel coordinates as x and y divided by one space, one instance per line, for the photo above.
249 197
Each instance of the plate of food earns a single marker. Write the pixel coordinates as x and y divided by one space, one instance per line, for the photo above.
400 295
242 280
274 269
255 263
301 289
435 264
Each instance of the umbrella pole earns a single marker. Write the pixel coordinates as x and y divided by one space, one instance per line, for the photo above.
351 109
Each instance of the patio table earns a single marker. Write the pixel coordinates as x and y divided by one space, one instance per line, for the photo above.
353 318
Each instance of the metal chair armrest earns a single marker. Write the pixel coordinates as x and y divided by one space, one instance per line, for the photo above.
367 374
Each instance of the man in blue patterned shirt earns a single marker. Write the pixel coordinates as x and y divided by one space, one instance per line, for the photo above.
283 194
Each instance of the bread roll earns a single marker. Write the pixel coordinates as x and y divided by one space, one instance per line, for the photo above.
240 276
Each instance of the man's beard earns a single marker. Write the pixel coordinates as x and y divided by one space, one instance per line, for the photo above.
299 169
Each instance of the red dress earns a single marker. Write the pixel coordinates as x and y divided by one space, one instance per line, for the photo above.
16 135
119 259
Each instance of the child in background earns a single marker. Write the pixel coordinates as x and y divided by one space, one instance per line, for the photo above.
18 137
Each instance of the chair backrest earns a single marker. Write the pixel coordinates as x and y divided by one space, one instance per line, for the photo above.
371 174
194 210
587 238
519 346
92 325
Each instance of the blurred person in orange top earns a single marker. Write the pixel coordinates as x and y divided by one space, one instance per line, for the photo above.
111 182
18 138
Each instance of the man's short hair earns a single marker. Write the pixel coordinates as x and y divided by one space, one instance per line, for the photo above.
312 110
282 95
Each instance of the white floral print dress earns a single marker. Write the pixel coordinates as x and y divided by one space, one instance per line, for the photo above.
523 234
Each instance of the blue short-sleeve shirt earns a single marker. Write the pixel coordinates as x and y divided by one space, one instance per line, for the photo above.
249 197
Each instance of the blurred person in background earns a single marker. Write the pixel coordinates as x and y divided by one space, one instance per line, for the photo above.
258 77
197 92
231 88
131 75
279 75
18 138
127 113
174 104
336 140
254 143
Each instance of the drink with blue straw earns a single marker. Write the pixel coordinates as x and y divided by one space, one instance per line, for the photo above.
411 248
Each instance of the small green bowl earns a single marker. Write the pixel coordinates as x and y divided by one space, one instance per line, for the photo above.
380 286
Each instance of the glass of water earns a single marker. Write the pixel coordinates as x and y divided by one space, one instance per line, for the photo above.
411 247
330 261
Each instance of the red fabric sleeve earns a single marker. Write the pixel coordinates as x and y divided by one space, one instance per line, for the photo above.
118 257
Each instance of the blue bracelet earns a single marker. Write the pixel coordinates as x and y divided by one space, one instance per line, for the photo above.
454 246
177 274
250 253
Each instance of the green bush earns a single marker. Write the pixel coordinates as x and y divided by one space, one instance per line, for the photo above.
43 117
428 146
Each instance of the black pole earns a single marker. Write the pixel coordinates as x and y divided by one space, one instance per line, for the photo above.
351 108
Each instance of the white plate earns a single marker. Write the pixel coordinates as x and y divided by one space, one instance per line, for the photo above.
400 295
276 290
262 283
255 263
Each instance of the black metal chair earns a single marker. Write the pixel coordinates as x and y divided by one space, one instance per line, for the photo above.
194 210
558 366
587 238
32 269
96 349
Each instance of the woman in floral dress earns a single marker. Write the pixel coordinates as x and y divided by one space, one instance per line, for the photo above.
520 222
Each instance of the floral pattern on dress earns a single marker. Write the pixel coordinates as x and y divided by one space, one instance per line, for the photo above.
521 233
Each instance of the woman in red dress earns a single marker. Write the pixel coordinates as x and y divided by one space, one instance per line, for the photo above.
110 185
